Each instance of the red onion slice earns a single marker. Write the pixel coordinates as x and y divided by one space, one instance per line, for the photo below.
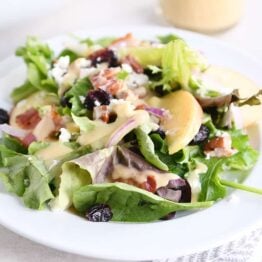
158 112
121 132
13 131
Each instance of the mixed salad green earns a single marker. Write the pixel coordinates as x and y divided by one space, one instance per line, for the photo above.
122 129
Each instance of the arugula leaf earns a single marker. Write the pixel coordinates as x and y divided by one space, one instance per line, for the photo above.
211 187
146 146
129 203
251 101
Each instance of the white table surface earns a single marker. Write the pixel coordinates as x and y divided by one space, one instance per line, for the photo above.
19 18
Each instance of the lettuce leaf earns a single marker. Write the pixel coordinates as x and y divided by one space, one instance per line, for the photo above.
80 172
38 58
26 176
129 203
78 90
84 123
178 61
165 39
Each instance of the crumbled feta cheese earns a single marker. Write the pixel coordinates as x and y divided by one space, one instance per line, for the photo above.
127 68
84 72
60 68
117 102
64 135
136 80
97 103
63 62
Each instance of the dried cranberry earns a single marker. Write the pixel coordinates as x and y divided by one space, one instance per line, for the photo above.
151 76
160 91
99 213
160 132
4 117
201 136
96 98
64 102
104 56
112 117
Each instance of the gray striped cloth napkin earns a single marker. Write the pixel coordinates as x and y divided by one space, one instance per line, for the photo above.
241 250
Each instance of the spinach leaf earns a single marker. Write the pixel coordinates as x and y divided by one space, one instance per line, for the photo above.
146 146
129 203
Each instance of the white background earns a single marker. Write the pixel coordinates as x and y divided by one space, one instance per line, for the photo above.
19 18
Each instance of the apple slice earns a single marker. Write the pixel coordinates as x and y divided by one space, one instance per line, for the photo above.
184 120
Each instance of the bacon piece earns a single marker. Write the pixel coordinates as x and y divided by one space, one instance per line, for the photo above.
134 64
29 119
216 142
148 185
219 146
107 80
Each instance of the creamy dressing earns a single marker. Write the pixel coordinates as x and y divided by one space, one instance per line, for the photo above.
203 15
53 151
123 172
98 136
193 178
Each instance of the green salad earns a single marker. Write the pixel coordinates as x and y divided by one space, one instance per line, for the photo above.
123 129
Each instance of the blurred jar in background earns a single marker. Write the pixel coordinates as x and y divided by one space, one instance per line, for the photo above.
206 16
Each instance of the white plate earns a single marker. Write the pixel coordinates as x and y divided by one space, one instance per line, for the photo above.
125 241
